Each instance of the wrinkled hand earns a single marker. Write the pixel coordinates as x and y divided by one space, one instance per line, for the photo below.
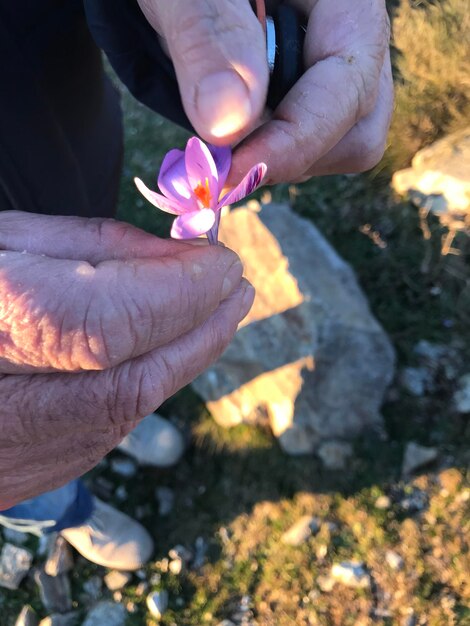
99 324
335 118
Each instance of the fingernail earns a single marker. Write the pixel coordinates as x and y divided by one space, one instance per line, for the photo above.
232 279
248 298
223 103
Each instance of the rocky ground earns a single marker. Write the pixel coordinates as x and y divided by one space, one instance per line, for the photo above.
246 535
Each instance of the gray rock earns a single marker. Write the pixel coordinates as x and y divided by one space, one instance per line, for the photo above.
117 580
335 454
417 456
27 617
93 586
57 619
462 395
15 536
157 603
394 560
123 467
55 591
417 380
351 574
304 528
310 356
106 614
439 178
15 563
166 500
60 559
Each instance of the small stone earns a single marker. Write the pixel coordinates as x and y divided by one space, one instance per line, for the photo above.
321 551
157 603
335 454
162 565
116 580
462 395
141 589
106 614
27 617
121 493
304 528
200 551
15 536
15 563
431 354
176 566
226 622
417 380
55 591
394 560
166 500
117 596
417 456
351 574
180 552
326 583
155 578
383 502
60 559
123 467
56 619
414 502
92 587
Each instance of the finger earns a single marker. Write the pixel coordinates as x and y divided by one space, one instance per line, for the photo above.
345 53
80 418
59 315
364 145
218 50
83 239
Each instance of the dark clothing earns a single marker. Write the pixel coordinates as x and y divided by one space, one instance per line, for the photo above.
60 122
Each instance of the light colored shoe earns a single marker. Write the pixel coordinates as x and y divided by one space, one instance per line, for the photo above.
112 539
155 441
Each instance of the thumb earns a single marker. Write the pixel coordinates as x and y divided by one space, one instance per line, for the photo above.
218 50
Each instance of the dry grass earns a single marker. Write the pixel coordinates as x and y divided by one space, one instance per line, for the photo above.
432 43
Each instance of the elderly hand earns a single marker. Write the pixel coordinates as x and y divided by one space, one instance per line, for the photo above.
335 118
100 323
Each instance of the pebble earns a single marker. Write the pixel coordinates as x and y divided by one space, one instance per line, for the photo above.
321 551
180 552
123 467
141 589
383 502
92 587
157 603
121 493
15 536
226 622
394 560
60 559
116 580
335 454
462 395
417 456
304 528
106 614
57 619
55 591
200 551
326 583
166 500
176 566
351 574
27 617
15 563
417 380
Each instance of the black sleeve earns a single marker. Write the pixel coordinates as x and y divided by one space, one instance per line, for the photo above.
132 47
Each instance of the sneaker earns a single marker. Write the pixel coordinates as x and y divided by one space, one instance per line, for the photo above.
155 441
111 539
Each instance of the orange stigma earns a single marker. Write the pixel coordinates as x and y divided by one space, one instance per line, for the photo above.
203 194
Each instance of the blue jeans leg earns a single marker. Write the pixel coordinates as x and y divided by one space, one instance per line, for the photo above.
70 505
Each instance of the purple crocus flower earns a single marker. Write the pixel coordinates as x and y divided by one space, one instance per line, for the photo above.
191 183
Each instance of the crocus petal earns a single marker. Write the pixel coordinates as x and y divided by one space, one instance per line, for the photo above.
165 204
173 181
222 156
200 166
193 224
249 183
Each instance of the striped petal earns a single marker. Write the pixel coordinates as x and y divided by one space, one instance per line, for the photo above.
249 183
